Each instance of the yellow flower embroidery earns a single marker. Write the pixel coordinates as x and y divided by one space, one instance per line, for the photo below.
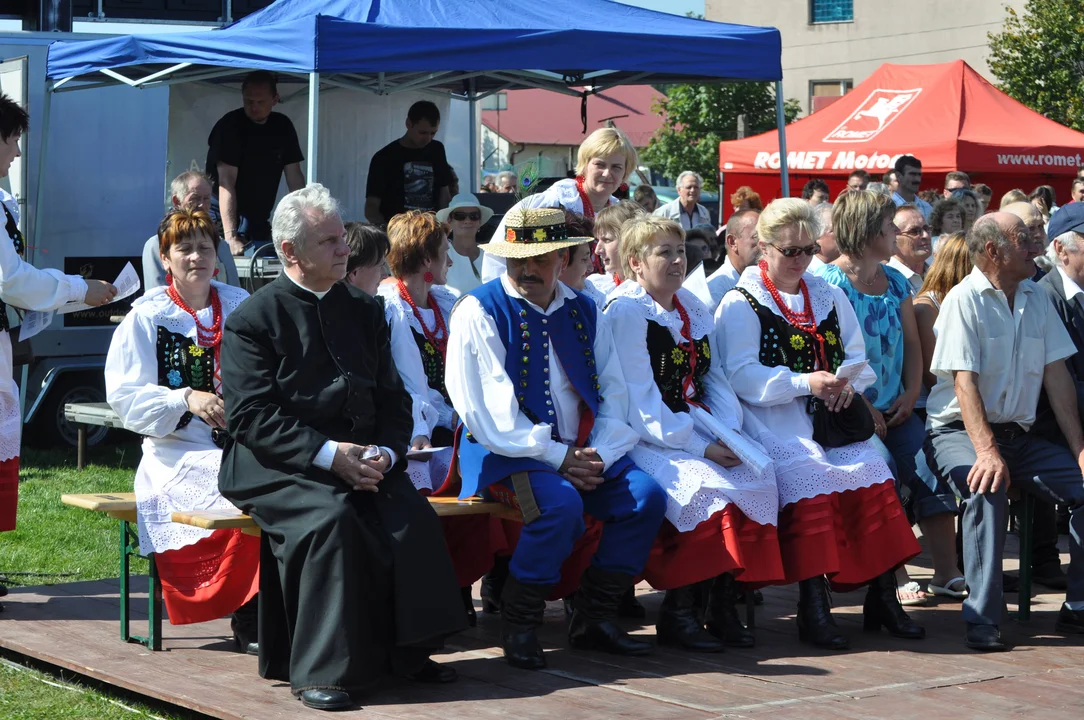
429 349
677 356
196 351
540 235
830 338
707 352
797 342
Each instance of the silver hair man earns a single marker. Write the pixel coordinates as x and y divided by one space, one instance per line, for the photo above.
297 213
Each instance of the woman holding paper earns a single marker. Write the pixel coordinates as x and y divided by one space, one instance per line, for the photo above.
417 306
24 286
722 501
881 298
163 378
791 336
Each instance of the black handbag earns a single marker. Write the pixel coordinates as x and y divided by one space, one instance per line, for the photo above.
836 429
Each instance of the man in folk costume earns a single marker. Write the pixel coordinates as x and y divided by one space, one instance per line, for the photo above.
356 582
533 373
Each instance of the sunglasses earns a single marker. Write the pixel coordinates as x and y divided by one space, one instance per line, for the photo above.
793 252
461 216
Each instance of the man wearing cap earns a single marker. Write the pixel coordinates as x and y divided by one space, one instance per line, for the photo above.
533 373
1000 343
464 215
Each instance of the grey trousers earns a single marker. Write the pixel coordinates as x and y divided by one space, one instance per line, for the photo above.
1035 465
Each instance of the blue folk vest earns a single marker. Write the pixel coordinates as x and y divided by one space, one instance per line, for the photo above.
529 337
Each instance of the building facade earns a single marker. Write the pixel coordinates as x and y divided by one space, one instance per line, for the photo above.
829 46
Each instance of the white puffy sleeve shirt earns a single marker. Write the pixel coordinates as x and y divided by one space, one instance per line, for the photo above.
485 397
28 287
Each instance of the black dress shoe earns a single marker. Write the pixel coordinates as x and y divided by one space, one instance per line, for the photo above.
984 637
252 649
326 699
1069 621
434 672
1051 577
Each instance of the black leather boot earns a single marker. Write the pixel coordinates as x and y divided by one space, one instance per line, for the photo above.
468 606
882 607
815 622
723 619
679 623
594 616
631 607
523 608
245 623
493 585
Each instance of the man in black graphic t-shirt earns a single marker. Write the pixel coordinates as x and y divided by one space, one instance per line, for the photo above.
248 151
411 173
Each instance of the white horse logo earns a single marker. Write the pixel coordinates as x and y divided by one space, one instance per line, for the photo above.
882 106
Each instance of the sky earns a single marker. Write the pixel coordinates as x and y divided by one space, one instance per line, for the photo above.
678 7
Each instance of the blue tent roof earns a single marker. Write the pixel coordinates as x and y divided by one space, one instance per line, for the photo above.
568 37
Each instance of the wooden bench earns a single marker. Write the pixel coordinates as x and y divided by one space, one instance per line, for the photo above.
84 415
122 507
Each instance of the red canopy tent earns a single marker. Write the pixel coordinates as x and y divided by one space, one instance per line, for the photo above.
947 115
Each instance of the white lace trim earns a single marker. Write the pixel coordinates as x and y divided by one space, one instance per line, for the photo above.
444 297
697 488
701 321
11 425
820 294
159 308
603 282
429 476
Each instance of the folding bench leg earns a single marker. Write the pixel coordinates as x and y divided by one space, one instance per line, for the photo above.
1026 534
129 543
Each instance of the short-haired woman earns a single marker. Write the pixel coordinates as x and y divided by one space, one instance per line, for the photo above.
162 377
645 197
721 511
29 288
417 305
946 218
787 333
746 198
367 266
608 228
605 160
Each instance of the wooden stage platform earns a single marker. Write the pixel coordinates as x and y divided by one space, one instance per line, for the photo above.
74 626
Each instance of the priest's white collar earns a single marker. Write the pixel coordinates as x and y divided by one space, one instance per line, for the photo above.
319 295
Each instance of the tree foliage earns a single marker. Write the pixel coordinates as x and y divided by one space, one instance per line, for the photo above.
1038 57
698 117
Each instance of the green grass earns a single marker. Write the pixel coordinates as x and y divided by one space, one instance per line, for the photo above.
27 694
54 543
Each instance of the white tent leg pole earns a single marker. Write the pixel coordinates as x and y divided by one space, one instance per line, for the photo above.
781 125
39 212
474 149
314 125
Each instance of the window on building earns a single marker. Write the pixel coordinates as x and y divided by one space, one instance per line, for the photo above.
831 11
823 93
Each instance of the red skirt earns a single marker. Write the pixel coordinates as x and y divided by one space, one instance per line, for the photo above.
472 542
726 542
9 493
852 537
211 578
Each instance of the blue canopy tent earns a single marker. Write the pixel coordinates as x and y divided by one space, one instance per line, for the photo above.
469 49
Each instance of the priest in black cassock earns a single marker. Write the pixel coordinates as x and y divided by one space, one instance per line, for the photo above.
356 583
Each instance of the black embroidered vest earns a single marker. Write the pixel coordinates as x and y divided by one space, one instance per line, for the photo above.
433 363
783 344
20 248
183 363
670 364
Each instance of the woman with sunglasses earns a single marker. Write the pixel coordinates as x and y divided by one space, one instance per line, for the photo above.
464 217
162 378
418 305
721 511
787 333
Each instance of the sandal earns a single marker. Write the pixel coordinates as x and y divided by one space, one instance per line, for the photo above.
918 597
947 591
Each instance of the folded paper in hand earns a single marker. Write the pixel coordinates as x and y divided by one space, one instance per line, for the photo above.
850 371
423 455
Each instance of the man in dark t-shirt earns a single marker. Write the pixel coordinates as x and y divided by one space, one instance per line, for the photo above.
248 151
411 173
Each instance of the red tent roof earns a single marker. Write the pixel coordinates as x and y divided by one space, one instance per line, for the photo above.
946 115
542 117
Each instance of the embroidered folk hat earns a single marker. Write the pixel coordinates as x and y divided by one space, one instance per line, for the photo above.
529 232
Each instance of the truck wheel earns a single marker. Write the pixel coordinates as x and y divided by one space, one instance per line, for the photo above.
52 429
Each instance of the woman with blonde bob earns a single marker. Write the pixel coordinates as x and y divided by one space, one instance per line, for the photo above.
721 510
418 306
787 334
604 162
